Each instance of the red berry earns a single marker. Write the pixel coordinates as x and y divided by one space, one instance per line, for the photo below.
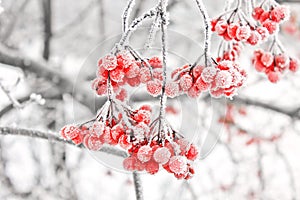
178 164
154 87
172 89
208 74
192 153
117 75
185 82
264 16
152 167
117 131
108 62
194 92
270 25
279 13
132 70
267 59
144 153
273 77
254 38
70 131
263 31
162 155
155 62
133 82
92 142
223 79
201 85
294 65
145 75
129 163
257 13
197 71
243 33
281 61
121 95
221 26
231 30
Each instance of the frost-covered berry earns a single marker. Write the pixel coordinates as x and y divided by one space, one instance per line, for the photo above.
221 27
201 85
257 11
267 59
152 167
232 29
178 164
117 131
279 13
254 38
172 89
273 77
92 142
70 131
194 92
133 82
97 128
155 62
208 74
108 62
154 87
263 32
129 163
192 153
223 79
281 60
294 65
243 33
142 116
144 153
270 25
185 82
162 155
121 95
132 70
117 75
145 75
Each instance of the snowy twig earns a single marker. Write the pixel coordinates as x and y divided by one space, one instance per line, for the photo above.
55 138
126 14
13 100
138 186
207 34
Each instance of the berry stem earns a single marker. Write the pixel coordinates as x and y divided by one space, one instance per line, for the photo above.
163 99
207 33
126 14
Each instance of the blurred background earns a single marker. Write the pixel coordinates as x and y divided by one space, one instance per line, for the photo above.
48 54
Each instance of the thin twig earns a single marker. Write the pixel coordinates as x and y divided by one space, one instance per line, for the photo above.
138 186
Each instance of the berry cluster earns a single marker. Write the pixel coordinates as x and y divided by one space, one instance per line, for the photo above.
175 157
274 64
231 51
125 69
221 80
271 18
134 132
240 30
113 130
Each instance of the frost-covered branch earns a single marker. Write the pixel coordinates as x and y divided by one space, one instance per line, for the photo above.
126 13
138 186
207 34
52 137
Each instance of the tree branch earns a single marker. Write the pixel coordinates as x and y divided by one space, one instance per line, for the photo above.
52 137
138 186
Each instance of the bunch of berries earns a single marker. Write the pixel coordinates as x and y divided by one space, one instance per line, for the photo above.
125 69
239 30
274 64
175 157
135 134
271 17
229 51
222 79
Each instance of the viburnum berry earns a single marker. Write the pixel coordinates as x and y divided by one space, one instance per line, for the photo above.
208 74
294 65
70 132
185 82
154 87
145 75
201 85
117 74
232 30
152 167
143 116
223 79
243 33
279 13
145 153
281 60
132 70
273 76
254 38
117 131
221 26
194 92
270 25
155 62
92 142
162 155
121 95
129 163
192 153
178 164
267 59
108 62
257 12
172 89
